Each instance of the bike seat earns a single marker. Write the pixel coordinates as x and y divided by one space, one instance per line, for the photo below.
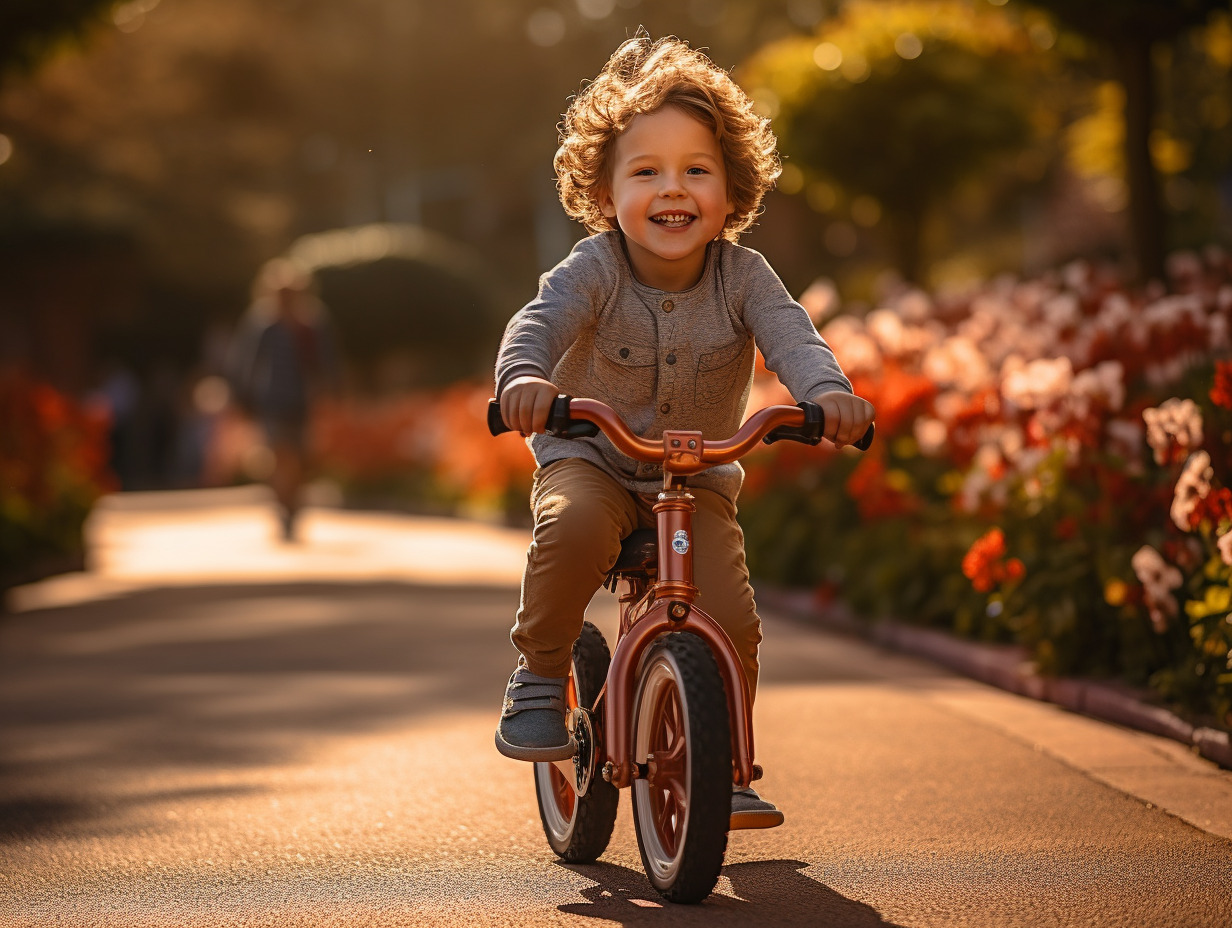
638 552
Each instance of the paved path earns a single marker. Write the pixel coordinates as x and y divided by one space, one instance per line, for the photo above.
212 729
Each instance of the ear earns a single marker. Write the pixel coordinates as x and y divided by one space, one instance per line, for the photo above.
607 206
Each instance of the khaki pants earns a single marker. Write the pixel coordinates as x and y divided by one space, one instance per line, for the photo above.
581 514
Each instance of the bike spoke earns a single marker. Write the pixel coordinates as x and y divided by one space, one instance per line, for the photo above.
668 821
672 717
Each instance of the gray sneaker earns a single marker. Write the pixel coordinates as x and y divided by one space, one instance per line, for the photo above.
532 721
749 810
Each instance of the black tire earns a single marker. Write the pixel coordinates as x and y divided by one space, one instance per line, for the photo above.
578 830
682 812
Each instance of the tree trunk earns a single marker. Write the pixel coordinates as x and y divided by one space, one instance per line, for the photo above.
1146 215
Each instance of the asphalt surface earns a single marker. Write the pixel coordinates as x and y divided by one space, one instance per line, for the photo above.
209 728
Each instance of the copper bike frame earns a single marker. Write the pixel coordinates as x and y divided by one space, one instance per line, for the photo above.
668 605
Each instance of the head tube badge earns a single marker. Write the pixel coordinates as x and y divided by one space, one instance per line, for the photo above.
680 542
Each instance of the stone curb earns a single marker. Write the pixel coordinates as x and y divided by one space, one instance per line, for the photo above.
1008 668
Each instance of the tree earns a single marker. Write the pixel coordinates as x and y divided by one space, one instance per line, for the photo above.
1131 30
898 101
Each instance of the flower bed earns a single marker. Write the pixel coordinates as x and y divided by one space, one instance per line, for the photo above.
425 451
1050 470
53 466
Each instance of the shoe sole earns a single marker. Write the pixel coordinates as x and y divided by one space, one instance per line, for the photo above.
770 818
538 755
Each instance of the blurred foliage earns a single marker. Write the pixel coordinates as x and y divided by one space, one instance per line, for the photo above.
953 87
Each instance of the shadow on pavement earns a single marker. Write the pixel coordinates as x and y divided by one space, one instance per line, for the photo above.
215 678
769 892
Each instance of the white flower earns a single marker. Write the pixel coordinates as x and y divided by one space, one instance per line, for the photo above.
820 300
915 306
1184 264
1223 299
1193 486
931 435
1037 384
1219 333
1158 579
887 328
1225 551
949 405
1171 311
850 341
1077 275
958 362
1173 422
1063 311
1102 386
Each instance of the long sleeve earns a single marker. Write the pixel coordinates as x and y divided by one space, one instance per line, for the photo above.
569 299
782 330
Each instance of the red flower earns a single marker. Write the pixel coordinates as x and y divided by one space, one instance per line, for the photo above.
1216 507
1221 392
985 564
896 393
874 490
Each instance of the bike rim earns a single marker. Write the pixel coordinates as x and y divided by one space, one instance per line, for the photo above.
662 732
560 802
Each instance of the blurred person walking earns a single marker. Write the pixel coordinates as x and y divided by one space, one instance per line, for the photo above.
284 359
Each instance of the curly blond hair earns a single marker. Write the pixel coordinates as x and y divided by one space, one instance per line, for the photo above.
643 76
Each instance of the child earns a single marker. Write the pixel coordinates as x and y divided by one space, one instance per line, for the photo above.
656 314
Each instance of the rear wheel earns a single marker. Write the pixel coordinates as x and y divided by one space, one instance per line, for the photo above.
578 828
682 732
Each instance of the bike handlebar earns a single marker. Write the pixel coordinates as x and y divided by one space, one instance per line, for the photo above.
578 418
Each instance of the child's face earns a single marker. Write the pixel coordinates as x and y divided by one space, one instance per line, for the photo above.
668 194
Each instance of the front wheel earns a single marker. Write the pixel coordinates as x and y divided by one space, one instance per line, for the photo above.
682 734
578 828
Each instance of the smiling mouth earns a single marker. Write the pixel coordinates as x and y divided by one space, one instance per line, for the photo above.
673 220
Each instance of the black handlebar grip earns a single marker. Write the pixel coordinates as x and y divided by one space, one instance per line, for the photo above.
559 422
496 423
866 441
810 433
562 425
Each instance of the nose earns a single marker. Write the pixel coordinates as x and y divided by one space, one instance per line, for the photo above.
671 185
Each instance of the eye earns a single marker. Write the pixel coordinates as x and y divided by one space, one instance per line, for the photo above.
698 171
644 172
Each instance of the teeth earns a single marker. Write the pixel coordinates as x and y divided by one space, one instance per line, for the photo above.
673 217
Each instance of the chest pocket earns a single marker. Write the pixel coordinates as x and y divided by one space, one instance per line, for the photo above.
717 372
625 369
